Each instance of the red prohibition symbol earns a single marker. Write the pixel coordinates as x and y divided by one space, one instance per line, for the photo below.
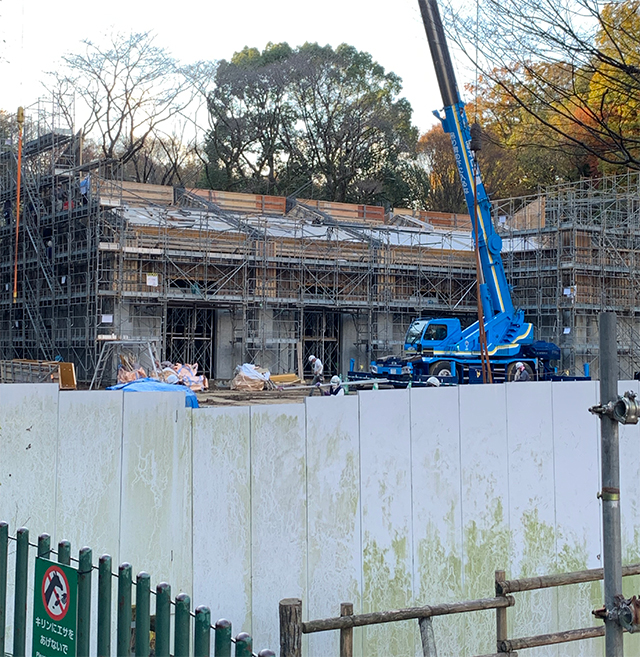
55 593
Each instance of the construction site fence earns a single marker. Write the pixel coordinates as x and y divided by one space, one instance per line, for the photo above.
138 632
292 627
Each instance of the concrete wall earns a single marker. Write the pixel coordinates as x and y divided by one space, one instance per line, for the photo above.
224 357
385 499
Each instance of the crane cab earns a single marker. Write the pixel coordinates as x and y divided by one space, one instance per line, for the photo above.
424 335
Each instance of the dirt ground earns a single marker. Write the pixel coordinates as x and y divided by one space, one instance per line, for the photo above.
246 398
225 397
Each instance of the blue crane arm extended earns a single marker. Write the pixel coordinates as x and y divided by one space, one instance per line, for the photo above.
494 289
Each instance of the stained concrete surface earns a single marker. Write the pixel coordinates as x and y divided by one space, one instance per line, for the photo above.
384 499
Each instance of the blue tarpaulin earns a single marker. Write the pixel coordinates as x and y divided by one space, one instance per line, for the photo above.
153 385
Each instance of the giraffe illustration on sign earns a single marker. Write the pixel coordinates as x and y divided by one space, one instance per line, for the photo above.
55 593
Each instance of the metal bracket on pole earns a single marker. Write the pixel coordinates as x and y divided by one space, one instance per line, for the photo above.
624 410
625 612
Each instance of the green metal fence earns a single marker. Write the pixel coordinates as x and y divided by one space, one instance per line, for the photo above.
138 632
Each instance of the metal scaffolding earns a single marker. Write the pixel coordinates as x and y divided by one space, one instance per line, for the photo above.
572 252
258 278
220 278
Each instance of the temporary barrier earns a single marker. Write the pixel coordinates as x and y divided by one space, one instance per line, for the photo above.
61 624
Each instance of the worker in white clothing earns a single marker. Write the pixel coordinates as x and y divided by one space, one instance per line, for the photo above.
521 373
336 389
318 373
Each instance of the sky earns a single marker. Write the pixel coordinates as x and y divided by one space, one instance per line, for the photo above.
34 35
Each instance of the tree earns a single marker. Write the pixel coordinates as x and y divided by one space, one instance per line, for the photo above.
351 125
446 194
8 128
519 154
572 68
128 89
165 159
284 120
247 111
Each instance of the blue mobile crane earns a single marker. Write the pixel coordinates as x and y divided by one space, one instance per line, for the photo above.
440 347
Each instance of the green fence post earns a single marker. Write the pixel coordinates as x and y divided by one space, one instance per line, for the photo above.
181 638
104 606
44 546
163 620
143 621
20 608
64 553
202 632
4 552
85 565
243 645
222 647
124 610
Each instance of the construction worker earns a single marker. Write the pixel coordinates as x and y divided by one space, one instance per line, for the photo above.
521 373
433 382
336 389
318 373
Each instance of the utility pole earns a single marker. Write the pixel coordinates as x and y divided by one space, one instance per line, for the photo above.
610 494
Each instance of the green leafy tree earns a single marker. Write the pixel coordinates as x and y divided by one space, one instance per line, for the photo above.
247 112
350 123
314 118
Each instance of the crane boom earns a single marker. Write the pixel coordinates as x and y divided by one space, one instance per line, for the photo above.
496 296
500 343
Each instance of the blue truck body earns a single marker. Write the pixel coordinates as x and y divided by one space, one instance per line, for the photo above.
440 346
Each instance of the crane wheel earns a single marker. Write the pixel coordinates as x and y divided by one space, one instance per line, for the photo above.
443 368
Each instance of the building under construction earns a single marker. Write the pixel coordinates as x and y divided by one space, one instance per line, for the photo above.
220 278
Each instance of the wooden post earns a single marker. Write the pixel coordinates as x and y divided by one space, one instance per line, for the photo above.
427 637
501 613
346 634
300 361
291 627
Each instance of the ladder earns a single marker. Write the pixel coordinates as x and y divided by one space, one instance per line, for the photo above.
111 348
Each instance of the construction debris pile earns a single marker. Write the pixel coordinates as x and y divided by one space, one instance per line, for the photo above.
251 377
166 372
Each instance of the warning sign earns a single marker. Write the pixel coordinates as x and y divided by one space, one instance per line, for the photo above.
55 592
54 610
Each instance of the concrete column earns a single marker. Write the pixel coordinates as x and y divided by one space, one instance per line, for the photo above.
385 338
227 353
348 345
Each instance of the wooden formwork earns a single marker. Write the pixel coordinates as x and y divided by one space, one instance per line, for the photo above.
113 193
